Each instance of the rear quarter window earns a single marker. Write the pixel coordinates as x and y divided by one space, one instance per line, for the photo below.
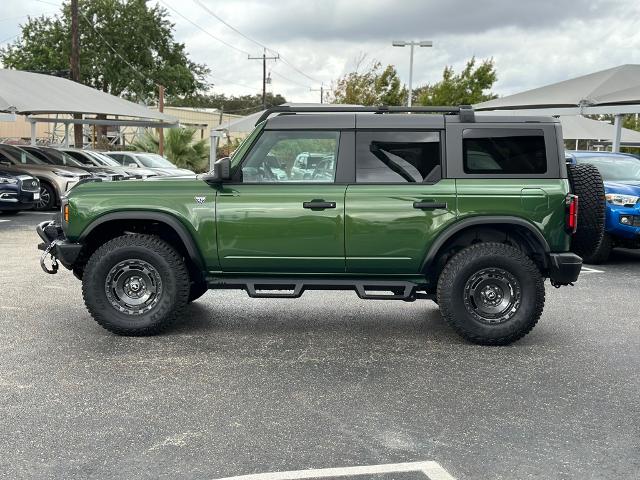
504 151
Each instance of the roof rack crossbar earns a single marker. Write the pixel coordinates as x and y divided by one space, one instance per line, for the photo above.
465 111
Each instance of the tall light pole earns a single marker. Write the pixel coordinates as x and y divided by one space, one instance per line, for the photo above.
401 43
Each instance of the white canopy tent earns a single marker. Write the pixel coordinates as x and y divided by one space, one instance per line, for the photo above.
615 91
30 94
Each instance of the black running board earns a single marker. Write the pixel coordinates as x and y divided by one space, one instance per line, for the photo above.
295 287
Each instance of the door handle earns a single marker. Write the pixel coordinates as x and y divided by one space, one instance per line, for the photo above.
318 205
430 205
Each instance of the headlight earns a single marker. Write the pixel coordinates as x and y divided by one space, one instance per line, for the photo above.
9 180
622 200
62 173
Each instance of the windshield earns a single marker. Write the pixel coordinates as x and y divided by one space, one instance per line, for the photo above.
20 157
103 160
615 168
60 158
153 160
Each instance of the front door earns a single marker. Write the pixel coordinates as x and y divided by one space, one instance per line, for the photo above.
274 218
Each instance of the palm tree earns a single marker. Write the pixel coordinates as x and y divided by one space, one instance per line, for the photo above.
179 148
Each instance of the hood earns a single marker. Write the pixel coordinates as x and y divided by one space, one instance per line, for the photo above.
30 168
11 172
144 172
623 188
173 172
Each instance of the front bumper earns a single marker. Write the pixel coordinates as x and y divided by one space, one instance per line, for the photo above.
564 268
55 244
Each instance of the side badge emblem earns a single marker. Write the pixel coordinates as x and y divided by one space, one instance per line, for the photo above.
200 200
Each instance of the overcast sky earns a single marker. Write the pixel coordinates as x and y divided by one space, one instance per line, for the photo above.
533 42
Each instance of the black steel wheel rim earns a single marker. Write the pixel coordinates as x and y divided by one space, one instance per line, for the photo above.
45 198
133 287
492 295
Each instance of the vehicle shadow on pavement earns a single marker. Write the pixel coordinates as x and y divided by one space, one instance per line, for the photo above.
424 321
621 256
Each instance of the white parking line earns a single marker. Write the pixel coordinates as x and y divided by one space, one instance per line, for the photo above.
432 470
591 270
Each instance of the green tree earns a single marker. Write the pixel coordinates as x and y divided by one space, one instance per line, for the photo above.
472 85
179 147
242 105
375 86
126 48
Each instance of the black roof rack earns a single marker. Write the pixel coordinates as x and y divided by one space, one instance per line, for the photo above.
465 111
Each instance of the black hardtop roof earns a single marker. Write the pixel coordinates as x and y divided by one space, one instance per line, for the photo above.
391 115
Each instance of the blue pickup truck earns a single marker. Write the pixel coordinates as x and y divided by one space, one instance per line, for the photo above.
621 175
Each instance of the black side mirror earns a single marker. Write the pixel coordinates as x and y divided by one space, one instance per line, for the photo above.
221 172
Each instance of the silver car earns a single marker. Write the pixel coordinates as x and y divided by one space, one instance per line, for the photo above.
151 161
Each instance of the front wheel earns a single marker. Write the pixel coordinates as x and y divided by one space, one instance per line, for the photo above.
48 198
135 285
491 293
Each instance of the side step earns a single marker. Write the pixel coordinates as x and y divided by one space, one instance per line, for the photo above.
295 287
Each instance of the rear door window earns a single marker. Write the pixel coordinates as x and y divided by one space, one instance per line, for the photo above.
397 157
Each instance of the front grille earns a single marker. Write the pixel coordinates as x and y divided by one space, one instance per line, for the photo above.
636 221
29 184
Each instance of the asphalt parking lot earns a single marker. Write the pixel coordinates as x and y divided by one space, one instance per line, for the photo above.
246 386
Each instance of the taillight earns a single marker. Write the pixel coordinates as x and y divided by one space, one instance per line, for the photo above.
571 203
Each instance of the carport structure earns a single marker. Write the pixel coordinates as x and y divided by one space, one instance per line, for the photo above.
32 94
615 91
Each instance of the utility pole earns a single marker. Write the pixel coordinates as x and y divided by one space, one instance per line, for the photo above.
264 59
75 68
402 43
321 90
161 130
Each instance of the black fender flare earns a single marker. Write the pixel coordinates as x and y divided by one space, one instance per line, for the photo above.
480 221
171 220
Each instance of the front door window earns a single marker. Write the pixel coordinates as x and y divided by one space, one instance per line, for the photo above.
292 156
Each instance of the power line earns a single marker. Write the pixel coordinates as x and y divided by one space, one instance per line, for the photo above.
286 79
208 10
204 30
275 52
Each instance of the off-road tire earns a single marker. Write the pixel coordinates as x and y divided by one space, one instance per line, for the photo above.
167 263
603 252
197 289
462 268
586 182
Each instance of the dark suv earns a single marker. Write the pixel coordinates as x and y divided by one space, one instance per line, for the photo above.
471 212
18 191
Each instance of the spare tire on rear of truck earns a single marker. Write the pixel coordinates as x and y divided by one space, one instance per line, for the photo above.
586 183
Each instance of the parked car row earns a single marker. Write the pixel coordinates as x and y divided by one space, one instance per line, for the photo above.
55 170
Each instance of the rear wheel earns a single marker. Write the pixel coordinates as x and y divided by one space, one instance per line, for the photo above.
586 182
491 293
135 285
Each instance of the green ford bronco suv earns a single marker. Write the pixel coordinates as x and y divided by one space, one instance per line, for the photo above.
470 211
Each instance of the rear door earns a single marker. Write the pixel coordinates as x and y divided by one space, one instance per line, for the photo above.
400 200
270 222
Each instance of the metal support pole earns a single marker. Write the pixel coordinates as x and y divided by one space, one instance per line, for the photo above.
33 132
412 45
66 135
576 144
410 75
214 135
617 124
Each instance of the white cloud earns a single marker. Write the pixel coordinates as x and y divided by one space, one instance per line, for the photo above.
533 42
